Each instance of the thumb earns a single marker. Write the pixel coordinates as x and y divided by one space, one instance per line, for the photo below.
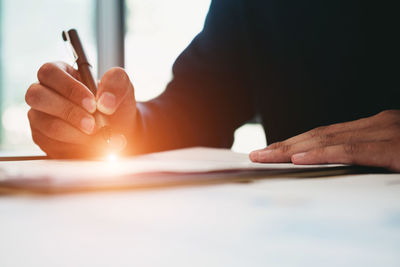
113 88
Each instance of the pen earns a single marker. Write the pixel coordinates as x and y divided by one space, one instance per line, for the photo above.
84 69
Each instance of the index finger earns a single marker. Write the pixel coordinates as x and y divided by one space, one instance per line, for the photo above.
376 154
63 79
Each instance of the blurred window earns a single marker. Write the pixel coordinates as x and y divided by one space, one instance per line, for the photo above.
30 36
157 32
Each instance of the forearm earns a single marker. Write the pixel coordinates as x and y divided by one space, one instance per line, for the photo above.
162 125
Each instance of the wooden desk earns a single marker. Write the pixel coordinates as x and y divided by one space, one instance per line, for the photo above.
340 221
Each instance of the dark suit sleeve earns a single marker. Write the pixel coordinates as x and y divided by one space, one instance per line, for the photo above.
208 97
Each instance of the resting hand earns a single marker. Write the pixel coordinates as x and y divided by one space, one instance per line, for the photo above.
372 141
61 115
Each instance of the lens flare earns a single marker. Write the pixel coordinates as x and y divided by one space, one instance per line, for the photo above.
112 157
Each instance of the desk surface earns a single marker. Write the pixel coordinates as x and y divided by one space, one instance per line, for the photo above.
341 221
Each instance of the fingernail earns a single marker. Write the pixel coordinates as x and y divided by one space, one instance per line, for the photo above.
89 104
298 156
106 103
87 124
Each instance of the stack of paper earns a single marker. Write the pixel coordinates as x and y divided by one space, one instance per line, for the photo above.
184 166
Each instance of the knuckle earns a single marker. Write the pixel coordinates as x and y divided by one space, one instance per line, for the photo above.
389 115
33 95
275 145
36 138
118 73
326 140
351 148
30 115
45 71
317 132
284 148
68 113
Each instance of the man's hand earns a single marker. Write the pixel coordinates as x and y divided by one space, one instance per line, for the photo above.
373 141
62 108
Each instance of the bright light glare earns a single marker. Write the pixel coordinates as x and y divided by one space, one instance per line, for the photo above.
112 157
173 24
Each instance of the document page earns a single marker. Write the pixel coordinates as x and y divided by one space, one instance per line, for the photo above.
170 167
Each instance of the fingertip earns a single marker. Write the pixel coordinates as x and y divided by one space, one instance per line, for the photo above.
254 156
45 71
33 94
116 74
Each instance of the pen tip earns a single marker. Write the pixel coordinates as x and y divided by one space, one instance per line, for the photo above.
117 143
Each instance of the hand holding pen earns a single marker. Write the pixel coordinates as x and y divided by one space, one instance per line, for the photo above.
86 75
63 112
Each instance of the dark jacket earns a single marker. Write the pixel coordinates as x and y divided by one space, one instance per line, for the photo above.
293 65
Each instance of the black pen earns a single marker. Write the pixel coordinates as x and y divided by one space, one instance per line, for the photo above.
84 69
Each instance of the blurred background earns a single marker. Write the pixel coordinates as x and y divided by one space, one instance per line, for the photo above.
144 35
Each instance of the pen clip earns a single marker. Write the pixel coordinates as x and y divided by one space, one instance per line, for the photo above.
67 39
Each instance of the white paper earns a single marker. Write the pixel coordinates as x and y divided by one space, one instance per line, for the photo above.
147 169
